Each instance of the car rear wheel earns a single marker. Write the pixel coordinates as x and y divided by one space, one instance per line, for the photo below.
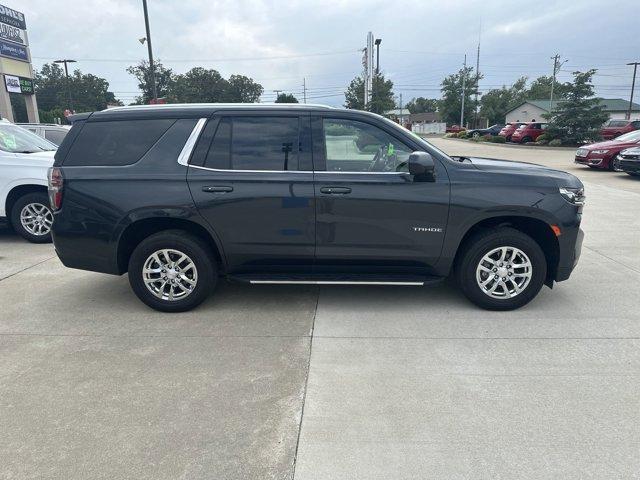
31 217
501 269
526 140
172 271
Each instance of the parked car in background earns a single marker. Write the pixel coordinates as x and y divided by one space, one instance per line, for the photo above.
24 161
50 131
508 129
528 132
615 128
493 130
628 161
455 129
181 195
602 154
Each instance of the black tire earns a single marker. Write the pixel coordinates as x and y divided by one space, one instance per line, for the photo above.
525 140
508 139
32 203
480 244
633 174
197 251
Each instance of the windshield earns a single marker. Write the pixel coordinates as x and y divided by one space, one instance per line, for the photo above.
616 123
14 139
629 137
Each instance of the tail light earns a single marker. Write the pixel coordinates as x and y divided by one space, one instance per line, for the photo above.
56 183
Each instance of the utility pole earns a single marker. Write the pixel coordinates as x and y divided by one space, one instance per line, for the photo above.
152 67
556 68
66 74
378 42
304 89
633 86
475 115
464 87
401 112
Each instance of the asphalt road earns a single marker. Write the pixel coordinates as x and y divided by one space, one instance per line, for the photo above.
329 383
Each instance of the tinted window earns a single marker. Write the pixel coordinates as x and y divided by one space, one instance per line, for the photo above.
115 142
16 139
255 143
55 136
353 146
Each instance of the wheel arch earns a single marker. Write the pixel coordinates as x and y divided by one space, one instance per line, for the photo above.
18 191
137 231
536 228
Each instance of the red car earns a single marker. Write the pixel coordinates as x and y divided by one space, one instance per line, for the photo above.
528 132
602 154
615 128
455 129
508 130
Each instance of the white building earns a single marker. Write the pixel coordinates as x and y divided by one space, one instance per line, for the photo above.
530 110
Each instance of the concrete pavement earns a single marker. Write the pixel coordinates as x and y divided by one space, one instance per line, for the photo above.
361 382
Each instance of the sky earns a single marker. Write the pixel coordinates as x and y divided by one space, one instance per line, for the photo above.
280 43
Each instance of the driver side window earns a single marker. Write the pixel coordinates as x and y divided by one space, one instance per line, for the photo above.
353 146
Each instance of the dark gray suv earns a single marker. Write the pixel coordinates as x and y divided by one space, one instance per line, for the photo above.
179 196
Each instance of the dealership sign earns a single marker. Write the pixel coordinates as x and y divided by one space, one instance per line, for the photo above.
18 84
13 34
12 17
13 50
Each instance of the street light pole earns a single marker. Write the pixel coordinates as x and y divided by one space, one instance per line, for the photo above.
633 86
378 42
150 50
66 74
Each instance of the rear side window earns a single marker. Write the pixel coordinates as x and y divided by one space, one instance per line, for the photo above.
255 143
55 136
115 143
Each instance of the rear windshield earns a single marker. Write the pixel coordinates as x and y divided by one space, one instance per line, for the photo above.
115 143
617 123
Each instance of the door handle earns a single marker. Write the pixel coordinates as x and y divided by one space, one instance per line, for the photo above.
335 190
217 189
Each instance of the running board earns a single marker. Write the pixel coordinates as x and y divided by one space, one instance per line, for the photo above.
400 280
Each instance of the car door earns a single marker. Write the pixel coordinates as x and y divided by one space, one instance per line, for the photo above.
251 178
371 216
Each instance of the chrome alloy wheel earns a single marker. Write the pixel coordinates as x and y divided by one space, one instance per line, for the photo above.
36 219
170 274
504 272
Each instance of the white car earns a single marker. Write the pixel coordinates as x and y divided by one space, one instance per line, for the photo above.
24 202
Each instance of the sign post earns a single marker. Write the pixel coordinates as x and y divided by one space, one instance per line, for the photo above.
16 69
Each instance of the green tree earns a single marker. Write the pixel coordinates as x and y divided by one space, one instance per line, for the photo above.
540 89
198 85
451 102
495 103
142 72
422 105
88 92
579 117
241 89
381 95
286 98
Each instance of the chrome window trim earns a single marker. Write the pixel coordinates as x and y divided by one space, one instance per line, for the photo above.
295 171
185 153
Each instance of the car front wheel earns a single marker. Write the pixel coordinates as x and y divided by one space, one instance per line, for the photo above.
172 271
31 217
501 269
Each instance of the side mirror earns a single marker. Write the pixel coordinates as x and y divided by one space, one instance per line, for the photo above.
422 167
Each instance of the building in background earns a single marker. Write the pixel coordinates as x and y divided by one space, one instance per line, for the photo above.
16 69
530 110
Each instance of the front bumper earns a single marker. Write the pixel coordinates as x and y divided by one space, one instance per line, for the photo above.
570 250
626 165
599 162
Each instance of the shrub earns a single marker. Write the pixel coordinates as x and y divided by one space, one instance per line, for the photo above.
555 143
544 137
450 135
498 139
541 142
462 134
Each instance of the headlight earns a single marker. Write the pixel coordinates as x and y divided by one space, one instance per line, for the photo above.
599 152
632 152
573 195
